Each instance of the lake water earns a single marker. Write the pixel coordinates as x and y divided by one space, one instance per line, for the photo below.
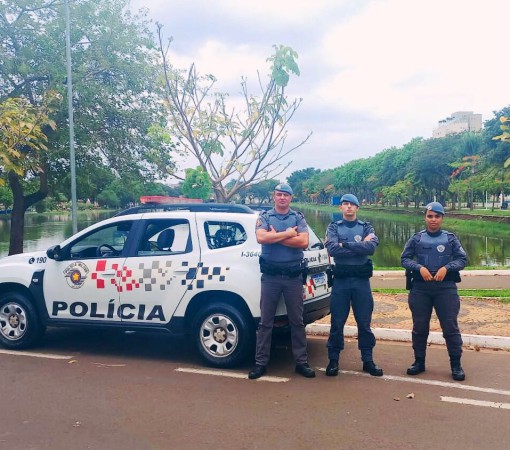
44 230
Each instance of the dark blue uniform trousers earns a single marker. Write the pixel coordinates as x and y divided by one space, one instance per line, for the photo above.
272 288
443 297
356 292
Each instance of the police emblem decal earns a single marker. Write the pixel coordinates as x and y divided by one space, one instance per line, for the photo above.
440 248
357 238
76 274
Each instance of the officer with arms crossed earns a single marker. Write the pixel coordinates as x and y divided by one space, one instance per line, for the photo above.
432 259
283 234
349 241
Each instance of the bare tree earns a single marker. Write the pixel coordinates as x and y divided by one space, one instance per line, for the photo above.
246 146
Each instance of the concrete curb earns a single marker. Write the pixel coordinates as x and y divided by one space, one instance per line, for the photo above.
389 334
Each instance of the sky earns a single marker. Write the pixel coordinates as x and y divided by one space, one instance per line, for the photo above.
374 73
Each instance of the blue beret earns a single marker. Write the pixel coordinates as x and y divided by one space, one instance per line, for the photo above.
435 207
283 187
350 198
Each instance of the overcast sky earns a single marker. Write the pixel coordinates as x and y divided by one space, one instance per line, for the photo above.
374 74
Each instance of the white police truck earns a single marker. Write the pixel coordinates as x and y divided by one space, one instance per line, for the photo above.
185 269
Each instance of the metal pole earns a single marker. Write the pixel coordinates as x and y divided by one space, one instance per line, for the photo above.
71 120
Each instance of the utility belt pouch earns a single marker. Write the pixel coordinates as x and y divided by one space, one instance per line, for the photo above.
409 279
330 275
304 270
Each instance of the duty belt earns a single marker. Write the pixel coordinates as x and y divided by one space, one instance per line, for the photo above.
273 269
415 275
357 271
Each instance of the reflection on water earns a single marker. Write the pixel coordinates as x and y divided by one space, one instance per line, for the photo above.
481 250
44 230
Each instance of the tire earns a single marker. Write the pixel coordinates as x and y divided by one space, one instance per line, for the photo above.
223 335
20 326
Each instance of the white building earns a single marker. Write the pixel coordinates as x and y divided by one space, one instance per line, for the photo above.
458 122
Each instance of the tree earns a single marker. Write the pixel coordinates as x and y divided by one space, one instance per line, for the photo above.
197 184
262 191
297 178
116 97
504 136
246 146
22 147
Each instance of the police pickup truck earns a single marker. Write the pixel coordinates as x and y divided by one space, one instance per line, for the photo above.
188 269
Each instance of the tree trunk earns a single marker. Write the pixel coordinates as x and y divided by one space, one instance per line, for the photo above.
20 204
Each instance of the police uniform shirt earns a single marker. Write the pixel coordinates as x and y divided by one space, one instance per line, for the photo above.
279 253
433 251
351 234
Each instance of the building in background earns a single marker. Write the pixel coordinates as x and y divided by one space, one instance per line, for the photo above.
458 122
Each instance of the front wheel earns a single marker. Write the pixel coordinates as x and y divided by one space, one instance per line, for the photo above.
20 326
223 335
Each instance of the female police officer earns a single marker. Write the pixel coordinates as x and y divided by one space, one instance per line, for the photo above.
432 259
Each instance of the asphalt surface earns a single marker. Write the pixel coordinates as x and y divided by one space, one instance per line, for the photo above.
110 390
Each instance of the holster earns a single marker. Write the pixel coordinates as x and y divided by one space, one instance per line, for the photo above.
330 275
304 270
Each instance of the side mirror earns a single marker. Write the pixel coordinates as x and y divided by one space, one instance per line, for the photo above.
318 245
55 253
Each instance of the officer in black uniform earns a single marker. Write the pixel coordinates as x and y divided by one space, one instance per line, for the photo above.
432 259
283 234
350 241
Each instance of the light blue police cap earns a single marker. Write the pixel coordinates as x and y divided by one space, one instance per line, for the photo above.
284 187
350 198
435 207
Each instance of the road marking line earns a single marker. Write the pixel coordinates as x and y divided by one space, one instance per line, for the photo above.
34 355
467 401
465 387
222 373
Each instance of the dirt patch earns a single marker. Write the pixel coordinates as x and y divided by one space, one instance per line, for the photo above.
477 316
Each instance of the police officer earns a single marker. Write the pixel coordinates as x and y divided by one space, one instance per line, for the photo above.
283 234
350 241
432 259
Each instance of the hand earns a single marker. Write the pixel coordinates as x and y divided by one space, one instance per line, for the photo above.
440 274
369 237
291 231
425 274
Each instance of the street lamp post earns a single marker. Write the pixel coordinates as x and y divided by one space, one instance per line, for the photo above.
71 120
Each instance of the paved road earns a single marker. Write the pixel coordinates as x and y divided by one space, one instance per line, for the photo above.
104 390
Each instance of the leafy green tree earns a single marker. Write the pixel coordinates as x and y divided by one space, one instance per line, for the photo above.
109 199
5 196
247 145
504 136
197 184
22 153
117 98
297 178
261 192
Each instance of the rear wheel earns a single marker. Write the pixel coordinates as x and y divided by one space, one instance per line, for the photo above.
223 335
20 327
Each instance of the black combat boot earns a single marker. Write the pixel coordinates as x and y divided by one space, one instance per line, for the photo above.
332 369
417 367
372 368
457 371
305 370
257 372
